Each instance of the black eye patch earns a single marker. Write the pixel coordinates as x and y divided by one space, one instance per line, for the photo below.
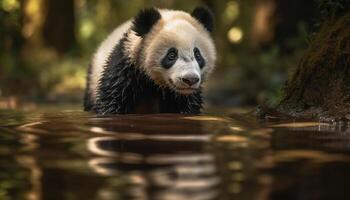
199 58
170 58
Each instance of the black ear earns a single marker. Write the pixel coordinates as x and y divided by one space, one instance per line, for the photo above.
144 21
205 16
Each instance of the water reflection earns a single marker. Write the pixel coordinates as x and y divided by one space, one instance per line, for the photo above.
165 157
171 170
75 155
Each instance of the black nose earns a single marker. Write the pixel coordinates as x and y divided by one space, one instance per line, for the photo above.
190 80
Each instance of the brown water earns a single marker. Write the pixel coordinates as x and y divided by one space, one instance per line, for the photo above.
76 155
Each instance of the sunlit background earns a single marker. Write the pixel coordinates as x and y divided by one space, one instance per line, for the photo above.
46 46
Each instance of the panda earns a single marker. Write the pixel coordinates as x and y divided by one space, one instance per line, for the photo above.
154 63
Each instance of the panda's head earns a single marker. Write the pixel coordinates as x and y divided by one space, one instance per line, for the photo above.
175 48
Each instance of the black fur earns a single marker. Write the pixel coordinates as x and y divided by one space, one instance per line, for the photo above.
144 21
123 86
199 58
205 16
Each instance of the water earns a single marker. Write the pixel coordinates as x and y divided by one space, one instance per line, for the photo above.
77 155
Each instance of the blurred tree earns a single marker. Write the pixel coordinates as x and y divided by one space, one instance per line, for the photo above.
11 42
59 25
277 21
262 30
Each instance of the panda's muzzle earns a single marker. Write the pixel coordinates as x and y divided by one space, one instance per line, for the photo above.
188 89
190 80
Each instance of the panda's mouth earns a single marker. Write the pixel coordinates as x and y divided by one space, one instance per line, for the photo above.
182 90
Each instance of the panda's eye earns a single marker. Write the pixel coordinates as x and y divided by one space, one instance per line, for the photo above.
197 54
199 58
170 58
172 55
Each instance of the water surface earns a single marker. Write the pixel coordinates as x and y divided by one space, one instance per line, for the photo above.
61 154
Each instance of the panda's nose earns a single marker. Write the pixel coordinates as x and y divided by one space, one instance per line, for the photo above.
190 80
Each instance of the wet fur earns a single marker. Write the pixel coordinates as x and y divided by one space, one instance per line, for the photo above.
124 87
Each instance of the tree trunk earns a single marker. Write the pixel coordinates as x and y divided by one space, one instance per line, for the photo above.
59 24
320 86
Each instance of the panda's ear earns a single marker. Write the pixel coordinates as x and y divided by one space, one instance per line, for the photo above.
144 21
205 16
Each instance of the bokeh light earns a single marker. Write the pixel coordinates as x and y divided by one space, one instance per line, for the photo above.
87 28
10 5
235 35
231 12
